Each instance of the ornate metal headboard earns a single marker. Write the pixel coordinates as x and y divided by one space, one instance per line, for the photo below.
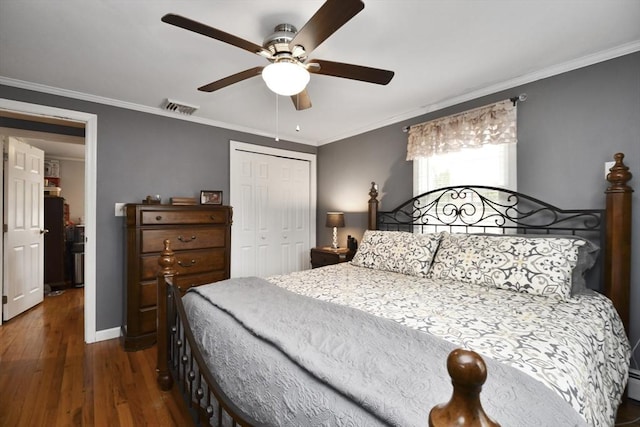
482 209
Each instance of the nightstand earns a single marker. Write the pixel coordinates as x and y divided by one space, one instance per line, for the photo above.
328 256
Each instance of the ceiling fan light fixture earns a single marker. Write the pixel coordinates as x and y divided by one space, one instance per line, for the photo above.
285 78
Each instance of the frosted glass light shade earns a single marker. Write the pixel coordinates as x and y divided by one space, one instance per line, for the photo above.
285 78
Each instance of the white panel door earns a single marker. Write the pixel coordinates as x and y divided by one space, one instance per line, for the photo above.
23 274
291 211
271 201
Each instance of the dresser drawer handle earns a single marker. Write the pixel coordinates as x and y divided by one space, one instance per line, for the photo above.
186 240
193 262
158 218
213 217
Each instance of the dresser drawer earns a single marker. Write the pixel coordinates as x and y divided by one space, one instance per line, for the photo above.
183 238
159 217
187 281
187 262
149 289
147 319
148 294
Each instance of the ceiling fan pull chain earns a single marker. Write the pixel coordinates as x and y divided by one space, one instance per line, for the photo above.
277 118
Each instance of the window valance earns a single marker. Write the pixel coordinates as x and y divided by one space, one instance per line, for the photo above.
490 124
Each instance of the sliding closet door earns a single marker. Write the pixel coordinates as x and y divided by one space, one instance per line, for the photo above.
271 200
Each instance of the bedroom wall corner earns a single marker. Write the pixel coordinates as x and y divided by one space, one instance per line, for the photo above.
567 128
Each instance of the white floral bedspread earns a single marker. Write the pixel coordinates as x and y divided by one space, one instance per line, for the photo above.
578 348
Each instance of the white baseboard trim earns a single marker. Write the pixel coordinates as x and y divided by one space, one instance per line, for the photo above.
107 334
634 384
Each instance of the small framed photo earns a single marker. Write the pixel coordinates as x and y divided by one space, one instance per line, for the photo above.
210 197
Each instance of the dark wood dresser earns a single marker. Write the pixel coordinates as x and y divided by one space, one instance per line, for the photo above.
201 239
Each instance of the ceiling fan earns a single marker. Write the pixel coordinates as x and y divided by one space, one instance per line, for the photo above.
287 51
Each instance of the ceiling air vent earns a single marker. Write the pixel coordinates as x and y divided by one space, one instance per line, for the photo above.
179 107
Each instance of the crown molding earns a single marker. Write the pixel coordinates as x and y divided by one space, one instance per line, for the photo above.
544 73
136 107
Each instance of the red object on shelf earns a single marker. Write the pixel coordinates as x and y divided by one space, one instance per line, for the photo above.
52 181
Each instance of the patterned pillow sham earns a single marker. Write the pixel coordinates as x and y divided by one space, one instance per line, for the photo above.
587 256
397 251
534 265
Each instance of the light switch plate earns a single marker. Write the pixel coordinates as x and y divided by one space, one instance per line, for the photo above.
120 209
607 166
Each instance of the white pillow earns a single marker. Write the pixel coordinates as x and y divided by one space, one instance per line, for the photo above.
397 251
534 265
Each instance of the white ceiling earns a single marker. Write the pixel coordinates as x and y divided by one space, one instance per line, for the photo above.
57 149
442 51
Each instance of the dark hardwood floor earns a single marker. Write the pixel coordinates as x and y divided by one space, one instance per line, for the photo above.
49 377
629 411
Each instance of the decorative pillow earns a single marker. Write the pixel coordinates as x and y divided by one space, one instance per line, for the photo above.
587 256
534 265
397 251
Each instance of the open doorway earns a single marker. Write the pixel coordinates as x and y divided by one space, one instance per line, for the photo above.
52 115
64 165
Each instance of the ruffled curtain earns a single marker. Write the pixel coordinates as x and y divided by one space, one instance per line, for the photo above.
491 124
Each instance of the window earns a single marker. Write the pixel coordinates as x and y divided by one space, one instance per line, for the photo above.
476 147
491 165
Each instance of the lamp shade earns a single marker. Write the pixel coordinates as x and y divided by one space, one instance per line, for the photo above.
335 219
285 78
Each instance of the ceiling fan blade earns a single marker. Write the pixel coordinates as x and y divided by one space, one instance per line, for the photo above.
205 30
301 101
349 71
332 15
234 78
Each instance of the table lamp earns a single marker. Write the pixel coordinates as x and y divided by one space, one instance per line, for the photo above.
335 220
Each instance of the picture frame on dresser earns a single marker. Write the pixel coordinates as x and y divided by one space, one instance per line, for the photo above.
209 197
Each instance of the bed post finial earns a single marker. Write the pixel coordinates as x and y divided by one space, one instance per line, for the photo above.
617 269
619 175
167 260
373 207
468 373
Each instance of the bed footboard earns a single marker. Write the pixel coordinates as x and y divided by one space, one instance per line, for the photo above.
180 363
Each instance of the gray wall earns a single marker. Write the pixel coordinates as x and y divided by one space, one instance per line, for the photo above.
140 154
568 127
